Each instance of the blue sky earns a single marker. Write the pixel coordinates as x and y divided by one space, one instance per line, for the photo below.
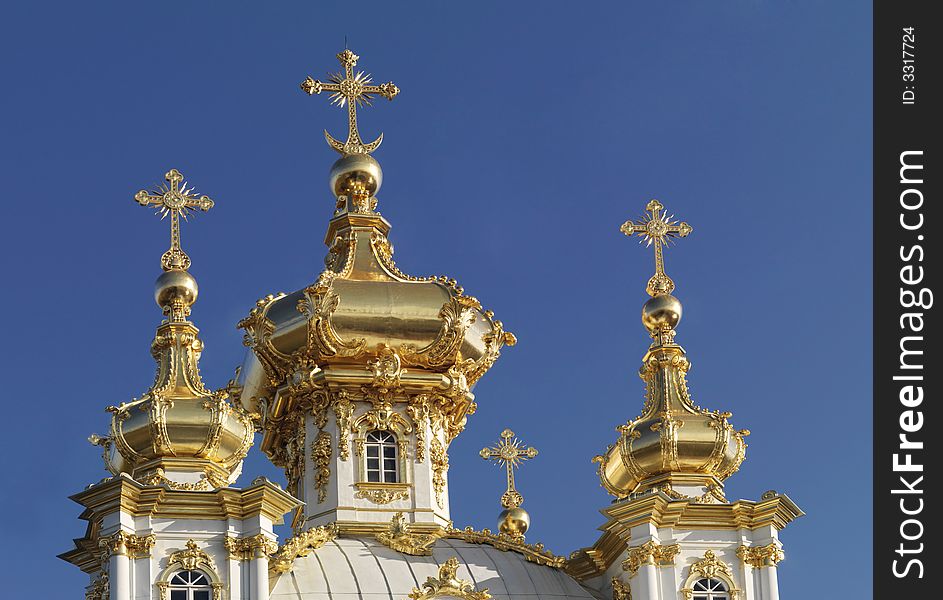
524 136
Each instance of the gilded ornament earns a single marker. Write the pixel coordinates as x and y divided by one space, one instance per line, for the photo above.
659 230
510 452
318 304
387 369
382 493
439 459
127 544
761 556
418 411
351 90
620 590
711 567
191 558
300 545
649 553
177 199
535 553
247 548
447 585
399 537
343 411
321 451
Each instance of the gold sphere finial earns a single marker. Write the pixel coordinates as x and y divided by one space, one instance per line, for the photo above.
356 175
661 313
514 522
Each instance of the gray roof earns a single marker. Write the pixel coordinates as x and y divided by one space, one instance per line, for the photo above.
360 567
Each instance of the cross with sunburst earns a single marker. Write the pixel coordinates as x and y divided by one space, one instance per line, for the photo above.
510 452
177 199
351 90
659 230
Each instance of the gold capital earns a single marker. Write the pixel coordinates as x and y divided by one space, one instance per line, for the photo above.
351 90
655 228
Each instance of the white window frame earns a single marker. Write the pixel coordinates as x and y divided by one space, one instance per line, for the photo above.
190 588
382 445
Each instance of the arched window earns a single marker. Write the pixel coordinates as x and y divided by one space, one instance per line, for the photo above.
382 457
710 589
190 585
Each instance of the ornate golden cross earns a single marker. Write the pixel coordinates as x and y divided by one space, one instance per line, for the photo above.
176 199
352 90
660 230
511 453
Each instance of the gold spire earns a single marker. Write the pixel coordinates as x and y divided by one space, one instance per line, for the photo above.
510 452
177 199
675 445
179 433
350 90
660 230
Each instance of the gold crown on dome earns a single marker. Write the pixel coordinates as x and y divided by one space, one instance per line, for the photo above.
178 433
674 442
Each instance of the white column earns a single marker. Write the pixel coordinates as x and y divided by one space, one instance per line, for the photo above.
119 572
258 574
647 581
769 582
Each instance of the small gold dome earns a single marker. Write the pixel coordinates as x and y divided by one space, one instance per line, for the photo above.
356 173
661 312
514 521
175 286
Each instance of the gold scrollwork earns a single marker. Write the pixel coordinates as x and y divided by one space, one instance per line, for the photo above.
250 547
321 451
448 585
649 553
761 556
710 567
382 493
301 545
620 590
400 538
440 466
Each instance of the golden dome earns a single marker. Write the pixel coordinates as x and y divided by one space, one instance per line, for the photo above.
363 310
179 433
675 445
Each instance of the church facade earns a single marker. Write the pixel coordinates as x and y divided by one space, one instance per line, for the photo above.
357 385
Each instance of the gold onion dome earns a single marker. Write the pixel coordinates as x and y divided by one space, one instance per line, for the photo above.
179 433
363 321
675 445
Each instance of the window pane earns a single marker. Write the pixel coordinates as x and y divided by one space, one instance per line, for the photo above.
178 580
200 579
373 451
373 436
701 585
178 594
373 476
373 463
389 452
389 464
201 595
700 598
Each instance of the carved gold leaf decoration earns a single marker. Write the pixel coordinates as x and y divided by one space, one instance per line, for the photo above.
399 538
649 553
447 584
535 553
300 545
761 556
